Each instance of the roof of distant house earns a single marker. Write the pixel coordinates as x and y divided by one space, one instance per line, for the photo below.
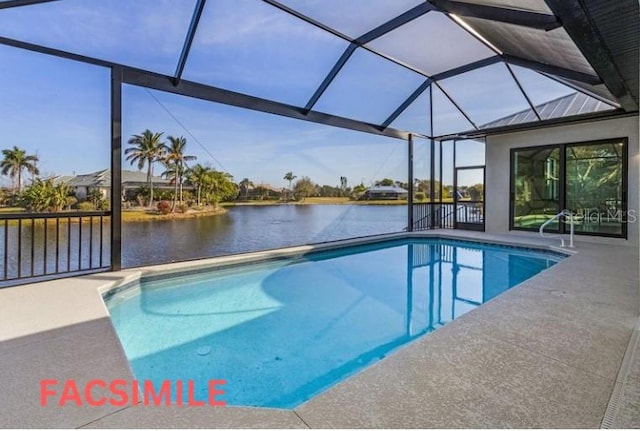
267 186
103 179
387 189
62 179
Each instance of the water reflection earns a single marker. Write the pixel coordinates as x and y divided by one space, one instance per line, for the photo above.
250 228
46 246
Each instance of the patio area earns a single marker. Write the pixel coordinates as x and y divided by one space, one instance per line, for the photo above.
560 350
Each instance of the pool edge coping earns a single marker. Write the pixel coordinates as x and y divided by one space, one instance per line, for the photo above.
189 267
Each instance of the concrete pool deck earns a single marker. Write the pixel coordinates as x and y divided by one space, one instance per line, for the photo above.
560 350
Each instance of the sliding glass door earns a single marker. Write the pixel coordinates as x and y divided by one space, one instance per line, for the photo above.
589 179
595 186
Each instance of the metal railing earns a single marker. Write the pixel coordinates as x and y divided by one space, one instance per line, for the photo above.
433 215
436 215
565 214
35 245
470 212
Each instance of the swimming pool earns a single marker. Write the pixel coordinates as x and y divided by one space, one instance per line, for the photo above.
280 332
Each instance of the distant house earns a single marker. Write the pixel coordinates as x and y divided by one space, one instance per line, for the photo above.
62 179
386 192
82 185
264 191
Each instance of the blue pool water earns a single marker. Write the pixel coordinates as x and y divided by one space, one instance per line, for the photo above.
283 331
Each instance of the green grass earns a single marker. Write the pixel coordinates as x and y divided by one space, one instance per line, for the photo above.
11 210
140 215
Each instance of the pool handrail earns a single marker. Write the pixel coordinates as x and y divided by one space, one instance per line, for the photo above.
563 213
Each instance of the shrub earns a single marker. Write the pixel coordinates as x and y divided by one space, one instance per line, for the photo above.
71 201
86 206
103 205
164 207
182 208
187 195
162 195
420 196
143 193
5 197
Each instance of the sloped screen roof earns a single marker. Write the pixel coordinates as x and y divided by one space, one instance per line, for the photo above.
434 68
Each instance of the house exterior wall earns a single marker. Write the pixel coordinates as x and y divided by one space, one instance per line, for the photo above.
80 192
498 164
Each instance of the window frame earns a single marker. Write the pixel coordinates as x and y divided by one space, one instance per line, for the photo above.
563 181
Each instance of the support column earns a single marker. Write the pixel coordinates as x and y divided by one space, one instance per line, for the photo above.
410 196
432 162
116 168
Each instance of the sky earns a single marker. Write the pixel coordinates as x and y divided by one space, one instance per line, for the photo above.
59 109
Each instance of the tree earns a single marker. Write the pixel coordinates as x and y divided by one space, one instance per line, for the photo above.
447 192
16 160
401 184
304 188
198 176
422 185
343 182
360 188
220 186
358 191
176 162
245 184
289 177
329 191
386 182
146 149
97 199
475 192
262 191
343 186
172 174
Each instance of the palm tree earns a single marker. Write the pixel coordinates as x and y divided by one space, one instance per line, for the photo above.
172 174
245 184
176 162
59 196
146 149
198 176
13 163
289 177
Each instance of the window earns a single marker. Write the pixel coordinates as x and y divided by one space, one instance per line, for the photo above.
589 179
594 186
535 185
